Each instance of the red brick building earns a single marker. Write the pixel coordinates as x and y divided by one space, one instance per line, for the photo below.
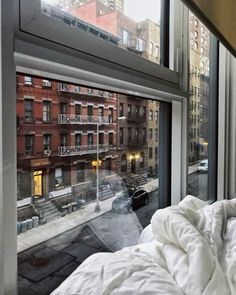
57 127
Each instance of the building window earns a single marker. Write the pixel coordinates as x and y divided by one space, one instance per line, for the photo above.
62 108
195 45
196 34
63 140
137 135
150 153
90 138
121 135
123 163
156 134
28 110
77 109
78 139
110 115
156 115
157 51
156 152
196 23
141 160
46 111
150 133
110 138
129 134
129 111
29 145
58 177
144 112
125 37
100 112
46 142
27 80
90 110
144 136
151 115
121 109
150 48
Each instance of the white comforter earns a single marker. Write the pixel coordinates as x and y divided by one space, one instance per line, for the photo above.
187 249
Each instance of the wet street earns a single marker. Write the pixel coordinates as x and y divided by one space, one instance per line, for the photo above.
43 267
197 185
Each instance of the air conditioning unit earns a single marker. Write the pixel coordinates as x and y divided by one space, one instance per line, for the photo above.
47 152
46 83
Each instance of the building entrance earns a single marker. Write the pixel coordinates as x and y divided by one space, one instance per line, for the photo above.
38 183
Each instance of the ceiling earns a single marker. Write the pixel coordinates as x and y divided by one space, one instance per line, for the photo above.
220 17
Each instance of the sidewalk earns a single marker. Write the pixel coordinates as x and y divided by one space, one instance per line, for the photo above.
58 226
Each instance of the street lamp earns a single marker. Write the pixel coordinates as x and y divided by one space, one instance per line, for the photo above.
97 206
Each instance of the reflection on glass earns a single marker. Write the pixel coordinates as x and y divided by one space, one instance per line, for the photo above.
198 108
87 175
129 24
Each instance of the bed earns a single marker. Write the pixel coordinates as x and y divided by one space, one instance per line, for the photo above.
187 249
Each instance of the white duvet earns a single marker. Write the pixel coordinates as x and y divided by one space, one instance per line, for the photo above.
188 249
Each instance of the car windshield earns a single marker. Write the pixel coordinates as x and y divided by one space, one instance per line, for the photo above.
125 195
203 164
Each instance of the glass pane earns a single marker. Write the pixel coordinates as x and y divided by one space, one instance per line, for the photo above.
87 178
128 24
198 108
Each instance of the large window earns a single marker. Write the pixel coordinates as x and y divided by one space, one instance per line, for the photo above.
199 109
63 172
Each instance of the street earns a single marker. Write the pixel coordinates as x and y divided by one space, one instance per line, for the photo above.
42 268
197 185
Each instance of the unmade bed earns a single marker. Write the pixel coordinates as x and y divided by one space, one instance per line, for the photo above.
187 249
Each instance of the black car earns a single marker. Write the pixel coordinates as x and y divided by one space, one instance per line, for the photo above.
130 199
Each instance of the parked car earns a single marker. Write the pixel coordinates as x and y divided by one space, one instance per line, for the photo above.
130 199
203 166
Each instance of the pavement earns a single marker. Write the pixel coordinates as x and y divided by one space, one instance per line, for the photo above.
45 232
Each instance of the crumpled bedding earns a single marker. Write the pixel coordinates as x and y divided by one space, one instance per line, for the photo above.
188 249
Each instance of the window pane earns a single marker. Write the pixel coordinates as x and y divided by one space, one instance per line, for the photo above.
129 24
58 165
198 109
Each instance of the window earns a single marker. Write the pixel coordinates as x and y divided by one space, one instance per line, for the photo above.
90 138
110 115
196 34
90 110
129 134
110 138
144 136
141 160
156 115
121 109
157 51
198 135
150 48
196 23
100 112
150 134
195 45
58 177
28 110
125 37
77 109
63 140
29 145
27 80
150 153
78 139
62 108
129 111
151 115
121 135
46 111
46 142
